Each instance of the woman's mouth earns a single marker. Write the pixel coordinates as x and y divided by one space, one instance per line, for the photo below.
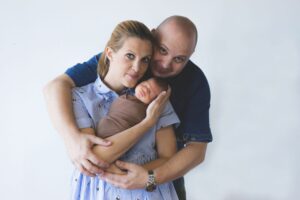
133 76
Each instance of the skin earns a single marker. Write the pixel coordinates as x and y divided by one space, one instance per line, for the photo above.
169 59
128 64
173 50
147 91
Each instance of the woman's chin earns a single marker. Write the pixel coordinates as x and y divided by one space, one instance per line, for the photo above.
130 84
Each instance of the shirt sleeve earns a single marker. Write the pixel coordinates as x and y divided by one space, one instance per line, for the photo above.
84 73
168 117
195 121
82 117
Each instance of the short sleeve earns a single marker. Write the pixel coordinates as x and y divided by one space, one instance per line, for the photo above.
195 121
84 73
82 117
168 117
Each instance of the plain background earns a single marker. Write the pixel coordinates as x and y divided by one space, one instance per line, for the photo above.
249 51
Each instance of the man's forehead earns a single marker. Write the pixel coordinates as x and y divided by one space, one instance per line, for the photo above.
180 47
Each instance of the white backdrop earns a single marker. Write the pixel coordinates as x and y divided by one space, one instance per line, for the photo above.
249 50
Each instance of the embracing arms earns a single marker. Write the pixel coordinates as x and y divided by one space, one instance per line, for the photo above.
58 97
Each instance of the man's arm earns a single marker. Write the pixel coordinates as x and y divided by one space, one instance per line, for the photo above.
182 162
59 103
178 165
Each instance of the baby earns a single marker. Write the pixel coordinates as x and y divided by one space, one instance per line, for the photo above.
128 110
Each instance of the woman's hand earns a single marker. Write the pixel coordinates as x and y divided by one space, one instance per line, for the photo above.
156 107
79 148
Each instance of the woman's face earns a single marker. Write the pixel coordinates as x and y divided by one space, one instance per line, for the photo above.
129 63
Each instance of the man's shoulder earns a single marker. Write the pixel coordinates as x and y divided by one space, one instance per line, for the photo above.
192 75
192 69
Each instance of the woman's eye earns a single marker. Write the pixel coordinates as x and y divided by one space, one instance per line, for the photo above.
130 56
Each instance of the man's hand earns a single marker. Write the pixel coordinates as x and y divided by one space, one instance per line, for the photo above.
136 176
156 107
80 151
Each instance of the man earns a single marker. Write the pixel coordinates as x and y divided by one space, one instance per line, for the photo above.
176 41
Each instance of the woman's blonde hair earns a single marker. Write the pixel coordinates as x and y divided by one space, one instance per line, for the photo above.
123 30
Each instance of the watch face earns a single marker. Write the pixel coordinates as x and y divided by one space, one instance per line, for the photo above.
151 187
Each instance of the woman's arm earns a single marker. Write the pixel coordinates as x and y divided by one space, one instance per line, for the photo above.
123 141
166 147
112 168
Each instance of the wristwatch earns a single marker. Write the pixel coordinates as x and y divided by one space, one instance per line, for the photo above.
151 183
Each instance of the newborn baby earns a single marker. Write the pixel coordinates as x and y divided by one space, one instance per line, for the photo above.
128 110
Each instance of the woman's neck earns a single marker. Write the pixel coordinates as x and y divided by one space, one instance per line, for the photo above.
113 84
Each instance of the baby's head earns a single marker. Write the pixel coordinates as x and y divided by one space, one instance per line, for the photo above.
148 90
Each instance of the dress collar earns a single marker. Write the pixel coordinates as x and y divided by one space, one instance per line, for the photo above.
101 88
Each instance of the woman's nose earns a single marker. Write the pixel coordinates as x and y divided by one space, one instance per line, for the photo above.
136 66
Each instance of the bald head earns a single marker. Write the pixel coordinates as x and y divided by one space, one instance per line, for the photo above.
182 25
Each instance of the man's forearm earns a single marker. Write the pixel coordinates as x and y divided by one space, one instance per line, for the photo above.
183 161
155 163
59 103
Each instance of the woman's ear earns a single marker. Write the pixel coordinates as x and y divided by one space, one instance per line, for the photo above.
109 53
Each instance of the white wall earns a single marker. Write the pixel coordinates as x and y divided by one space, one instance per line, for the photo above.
249 51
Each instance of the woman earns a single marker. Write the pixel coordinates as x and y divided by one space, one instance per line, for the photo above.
149 143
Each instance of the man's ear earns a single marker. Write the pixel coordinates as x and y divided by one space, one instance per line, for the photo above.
153 31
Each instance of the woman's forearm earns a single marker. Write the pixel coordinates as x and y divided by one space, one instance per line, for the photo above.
166 147
122 142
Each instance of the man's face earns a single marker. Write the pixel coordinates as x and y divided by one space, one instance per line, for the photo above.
172 51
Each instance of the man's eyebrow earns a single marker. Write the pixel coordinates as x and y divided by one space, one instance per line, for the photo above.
182 56
164 46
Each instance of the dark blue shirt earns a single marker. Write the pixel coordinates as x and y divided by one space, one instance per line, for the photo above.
190 98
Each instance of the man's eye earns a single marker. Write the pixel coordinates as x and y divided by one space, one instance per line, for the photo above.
162 50
130 56
179 60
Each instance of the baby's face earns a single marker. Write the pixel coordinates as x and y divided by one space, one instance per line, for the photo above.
147 91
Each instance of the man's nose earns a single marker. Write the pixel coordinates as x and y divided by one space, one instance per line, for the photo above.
166 63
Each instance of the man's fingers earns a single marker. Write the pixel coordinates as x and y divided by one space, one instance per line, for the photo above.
88 166
95 161
84 171
99 141
123 165
114 179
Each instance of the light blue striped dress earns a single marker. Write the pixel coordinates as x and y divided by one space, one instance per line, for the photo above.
90 103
